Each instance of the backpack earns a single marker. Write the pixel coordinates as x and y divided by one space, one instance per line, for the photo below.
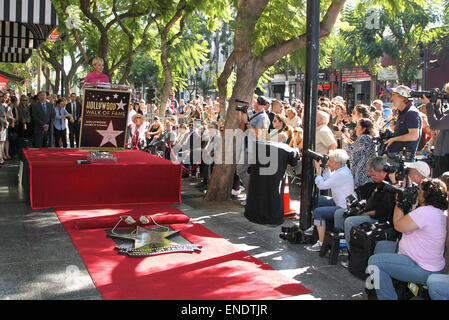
362 242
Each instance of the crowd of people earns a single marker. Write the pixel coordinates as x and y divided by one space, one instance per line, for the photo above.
41 120
351 137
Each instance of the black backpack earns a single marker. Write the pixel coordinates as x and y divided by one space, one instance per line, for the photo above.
362 243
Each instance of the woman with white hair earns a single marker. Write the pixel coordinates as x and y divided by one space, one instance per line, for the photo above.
338 178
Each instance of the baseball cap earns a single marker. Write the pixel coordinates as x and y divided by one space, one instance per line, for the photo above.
263 101
402 91
420 166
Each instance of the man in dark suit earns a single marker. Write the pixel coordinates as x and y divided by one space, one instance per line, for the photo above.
43 114
74 108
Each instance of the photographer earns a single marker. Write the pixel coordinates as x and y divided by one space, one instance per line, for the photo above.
379 204
407 132
439 121
421 248
341 183
254 123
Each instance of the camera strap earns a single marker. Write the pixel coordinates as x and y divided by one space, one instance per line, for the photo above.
256 115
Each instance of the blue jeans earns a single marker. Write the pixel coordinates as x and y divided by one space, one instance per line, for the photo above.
438 285
385 265
324 211
348 223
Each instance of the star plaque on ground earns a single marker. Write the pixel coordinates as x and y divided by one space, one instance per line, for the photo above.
151 241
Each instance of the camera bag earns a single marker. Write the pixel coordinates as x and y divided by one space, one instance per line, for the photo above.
362 243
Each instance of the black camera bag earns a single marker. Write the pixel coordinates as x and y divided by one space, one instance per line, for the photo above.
362 243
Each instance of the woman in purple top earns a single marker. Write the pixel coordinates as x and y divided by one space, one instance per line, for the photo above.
421 248
97 75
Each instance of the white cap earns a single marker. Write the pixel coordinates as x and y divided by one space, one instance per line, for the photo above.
420 166
402 91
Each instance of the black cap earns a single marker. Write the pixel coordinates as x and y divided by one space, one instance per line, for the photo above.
263 101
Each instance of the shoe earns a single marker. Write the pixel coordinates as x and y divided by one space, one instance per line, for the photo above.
243 203
316 247
235 192
345 264
309 231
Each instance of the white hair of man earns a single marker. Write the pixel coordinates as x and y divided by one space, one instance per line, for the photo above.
322 117
379 102
339 156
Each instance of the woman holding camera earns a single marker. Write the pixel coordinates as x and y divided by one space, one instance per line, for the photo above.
421 248
360 151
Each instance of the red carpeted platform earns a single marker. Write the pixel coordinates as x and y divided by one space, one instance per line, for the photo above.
56 180
219 272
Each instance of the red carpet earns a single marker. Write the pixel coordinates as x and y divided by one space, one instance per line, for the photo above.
219 272
56 180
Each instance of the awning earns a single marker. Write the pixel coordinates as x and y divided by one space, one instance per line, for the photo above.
12 77
24 25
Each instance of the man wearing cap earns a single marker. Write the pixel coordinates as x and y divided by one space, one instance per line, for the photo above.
407 131
254 123
418 171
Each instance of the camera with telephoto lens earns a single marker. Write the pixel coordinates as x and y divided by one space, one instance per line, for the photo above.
433 95
396 164
355 207
346 126
242 105
406 196
323 159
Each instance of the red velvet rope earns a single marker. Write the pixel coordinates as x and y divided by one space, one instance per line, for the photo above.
174 157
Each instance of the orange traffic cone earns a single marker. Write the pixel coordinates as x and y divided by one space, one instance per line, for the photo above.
288 214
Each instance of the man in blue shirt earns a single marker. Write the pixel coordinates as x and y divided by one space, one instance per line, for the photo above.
408 127
59 124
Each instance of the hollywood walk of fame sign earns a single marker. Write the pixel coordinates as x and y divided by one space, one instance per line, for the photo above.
104 119
150 241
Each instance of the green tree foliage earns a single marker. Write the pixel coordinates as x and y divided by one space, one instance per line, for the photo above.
369 31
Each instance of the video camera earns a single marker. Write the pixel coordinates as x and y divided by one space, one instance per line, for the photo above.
294 234
396 164
433 95
346 126
242 105
384 136
406 196
324 159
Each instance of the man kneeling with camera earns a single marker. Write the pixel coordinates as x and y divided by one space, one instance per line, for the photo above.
378 207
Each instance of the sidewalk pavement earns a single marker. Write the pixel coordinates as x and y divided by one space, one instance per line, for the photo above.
38 260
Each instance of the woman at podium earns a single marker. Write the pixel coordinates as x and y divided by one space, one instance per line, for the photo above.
97 76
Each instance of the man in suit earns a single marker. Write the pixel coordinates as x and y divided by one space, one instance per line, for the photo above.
74 108
43 114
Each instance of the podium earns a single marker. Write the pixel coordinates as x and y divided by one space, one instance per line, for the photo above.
104 117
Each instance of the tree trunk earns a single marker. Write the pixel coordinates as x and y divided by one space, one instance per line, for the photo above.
168 80
223 174
249 70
